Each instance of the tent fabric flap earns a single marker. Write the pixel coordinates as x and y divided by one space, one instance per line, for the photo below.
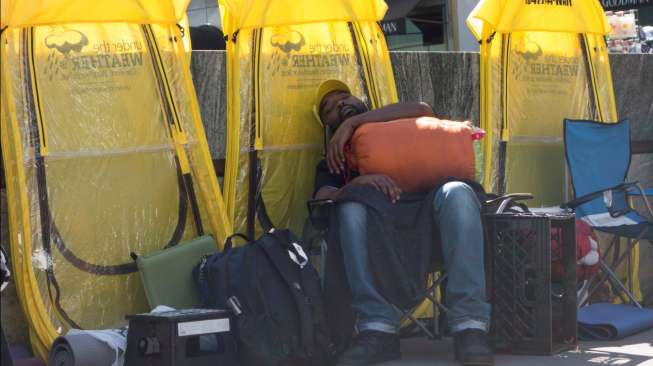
505 16
17 13
267 13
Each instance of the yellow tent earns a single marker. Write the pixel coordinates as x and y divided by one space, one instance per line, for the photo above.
17 13
278 52
104 153
564 16
541 61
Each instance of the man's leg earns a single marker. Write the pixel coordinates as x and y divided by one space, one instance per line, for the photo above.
458 214
378 322
372 310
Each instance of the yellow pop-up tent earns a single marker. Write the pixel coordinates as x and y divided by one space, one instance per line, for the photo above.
541 61
104 154
278 52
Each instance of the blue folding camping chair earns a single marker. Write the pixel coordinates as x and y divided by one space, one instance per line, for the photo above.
598 159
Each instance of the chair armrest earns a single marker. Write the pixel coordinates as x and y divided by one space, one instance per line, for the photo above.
318 213
590 196
511 196
582 199
507 200
315 204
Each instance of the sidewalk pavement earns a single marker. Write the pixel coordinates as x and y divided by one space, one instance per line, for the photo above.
632 351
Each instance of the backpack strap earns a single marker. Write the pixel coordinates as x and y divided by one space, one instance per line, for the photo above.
228 242
255 204
283 262
225 279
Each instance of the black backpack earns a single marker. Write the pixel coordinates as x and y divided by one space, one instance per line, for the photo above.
275 295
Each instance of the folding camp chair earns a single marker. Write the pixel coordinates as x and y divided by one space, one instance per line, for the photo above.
598 159
314 239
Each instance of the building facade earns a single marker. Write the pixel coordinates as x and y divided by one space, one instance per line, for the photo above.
203 12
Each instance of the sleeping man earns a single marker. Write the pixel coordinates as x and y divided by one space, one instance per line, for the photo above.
453 211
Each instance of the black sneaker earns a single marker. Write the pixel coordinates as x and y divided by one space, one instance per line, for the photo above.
471 348
369 348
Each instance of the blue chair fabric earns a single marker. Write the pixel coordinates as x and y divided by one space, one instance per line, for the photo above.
598 156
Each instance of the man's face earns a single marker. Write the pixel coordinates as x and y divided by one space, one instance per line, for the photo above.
337 106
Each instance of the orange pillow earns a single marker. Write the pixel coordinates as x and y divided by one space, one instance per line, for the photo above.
417 153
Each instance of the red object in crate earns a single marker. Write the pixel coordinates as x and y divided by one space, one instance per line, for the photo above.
587 252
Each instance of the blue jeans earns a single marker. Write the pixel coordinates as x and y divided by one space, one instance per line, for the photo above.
457 212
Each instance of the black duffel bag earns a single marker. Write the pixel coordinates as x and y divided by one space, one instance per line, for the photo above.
275 295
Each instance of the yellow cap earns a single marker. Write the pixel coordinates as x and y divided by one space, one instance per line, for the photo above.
325 88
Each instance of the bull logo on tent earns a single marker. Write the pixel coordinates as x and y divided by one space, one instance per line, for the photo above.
66 41
289 41
530 51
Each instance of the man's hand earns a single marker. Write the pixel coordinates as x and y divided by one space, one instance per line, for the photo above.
382 183
336 150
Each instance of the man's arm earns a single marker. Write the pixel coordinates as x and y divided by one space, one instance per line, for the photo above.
391 112
326 193
382 183
335 154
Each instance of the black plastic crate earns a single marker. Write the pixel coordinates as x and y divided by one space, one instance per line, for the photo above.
188 337
533 312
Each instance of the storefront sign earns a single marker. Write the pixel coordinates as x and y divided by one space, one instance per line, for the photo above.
625 4
394 27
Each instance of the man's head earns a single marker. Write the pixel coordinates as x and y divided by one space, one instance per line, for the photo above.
334 103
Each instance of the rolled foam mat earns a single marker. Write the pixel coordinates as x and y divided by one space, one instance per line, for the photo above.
605 321
80 350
